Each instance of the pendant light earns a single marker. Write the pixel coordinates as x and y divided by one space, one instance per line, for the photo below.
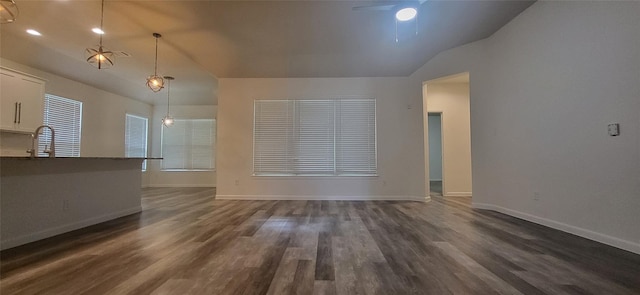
155 82
167 121
8 11
100 57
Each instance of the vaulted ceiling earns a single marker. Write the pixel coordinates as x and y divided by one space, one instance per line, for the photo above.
205 40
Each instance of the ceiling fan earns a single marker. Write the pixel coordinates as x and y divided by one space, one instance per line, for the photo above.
405 10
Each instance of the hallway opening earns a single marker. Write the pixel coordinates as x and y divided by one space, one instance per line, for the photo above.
447 133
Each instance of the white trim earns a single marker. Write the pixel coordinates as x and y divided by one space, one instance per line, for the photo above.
585 233
47 233
181 185
323 198
457 194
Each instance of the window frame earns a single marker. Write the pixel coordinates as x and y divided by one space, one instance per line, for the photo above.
213 147
146 139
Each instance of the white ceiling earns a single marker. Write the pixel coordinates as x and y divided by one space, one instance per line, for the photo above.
203 40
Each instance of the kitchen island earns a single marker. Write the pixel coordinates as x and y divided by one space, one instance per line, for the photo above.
44 197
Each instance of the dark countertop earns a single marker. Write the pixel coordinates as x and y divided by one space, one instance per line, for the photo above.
93 158
25 166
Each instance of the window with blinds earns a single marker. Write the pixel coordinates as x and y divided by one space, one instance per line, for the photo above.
135 138
189 145
65 117
315 137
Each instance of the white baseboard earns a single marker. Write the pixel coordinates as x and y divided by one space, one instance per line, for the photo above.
181 185
585 233
458 194
323 198
47 233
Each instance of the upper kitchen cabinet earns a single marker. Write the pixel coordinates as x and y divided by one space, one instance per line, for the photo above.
21 101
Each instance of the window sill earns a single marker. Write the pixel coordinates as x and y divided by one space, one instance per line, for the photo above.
187 170
314 175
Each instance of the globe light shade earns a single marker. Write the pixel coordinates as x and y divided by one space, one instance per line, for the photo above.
167 121
406 14
99 57
155 83
8 11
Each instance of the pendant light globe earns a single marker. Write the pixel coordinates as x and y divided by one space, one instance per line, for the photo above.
155 83
8 11
100 57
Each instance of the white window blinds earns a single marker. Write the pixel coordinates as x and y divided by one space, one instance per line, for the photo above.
356 148
315 137
135 134
65 117
189 145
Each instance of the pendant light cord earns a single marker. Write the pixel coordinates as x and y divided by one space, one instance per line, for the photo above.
396 30
101 23
155 70
168 95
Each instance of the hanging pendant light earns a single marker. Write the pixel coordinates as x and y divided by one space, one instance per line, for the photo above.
100 57
8 11
155 82
167 121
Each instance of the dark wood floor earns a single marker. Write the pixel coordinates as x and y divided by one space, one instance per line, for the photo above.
435 188
185 242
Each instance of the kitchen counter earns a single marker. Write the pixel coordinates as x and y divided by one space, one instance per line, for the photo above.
44 165
43 197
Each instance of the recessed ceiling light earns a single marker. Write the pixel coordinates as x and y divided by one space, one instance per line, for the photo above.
406 14
33 32
98 31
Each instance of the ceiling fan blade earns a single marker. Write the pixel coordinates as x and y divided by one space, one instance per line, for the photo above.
374 7
389 5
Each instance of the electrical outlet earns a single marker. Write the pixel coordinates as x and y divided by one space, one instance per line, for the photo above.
237 182
65 205
536 196
613 129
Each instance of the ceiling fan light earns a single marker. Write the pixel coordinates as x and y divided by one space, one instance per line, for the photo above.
406 14
33 32
155 83
99 57
8 11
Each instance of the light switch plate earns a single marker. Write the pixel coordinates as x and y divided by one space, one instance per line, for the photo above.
614 129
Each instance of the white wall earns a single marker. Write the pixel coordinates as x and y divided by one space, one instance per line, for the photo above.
452 100
543 89
399 130
103 116
159 178
435 147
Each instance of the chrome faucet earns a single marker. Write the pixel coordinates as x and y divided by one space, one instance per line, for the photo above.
52 149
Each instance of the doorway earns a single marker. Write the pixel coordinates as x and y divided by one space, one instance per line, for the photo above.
435 154
447 136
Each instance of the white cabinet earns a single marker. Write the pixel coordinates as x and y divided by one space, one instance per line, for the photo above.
21 101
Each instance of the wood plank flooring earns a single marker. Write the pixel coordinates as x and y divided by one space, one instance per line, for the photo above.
185 242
